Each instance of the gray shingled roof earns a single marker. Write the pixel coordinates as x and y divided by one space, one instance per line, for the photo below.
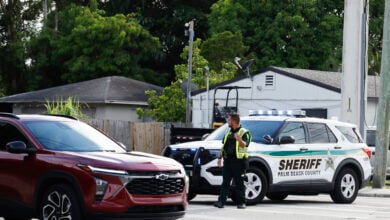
324 79
332 79
112 89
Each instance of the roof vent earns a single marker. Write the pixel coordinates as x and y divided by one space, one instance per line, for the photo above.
269 80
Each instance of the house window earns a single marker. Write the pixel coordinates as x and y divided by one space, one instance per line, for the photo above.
269 81
316 112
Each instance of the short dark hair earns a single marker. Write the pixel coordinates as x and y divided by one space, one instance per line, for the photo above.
235 117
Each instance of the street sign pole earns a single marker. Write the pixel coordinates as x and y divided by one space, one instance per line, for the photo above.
188 95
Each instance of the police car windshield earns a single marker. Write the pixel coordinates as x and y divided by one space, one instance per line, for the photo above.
257 128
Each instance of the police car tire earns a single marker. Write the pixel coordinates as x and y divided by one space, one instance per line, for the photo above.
254 174
276 196
190 196
346 187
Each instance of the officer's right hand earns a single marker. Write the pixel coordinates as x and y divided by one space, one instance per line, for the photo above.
219 162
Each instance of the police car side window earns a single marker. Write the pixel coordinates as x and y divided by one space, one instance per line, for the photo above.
260 128
296 130
332 137
320 133
350 134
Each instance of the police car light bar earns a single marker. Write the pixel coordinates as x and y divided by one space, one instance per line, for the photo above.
292 113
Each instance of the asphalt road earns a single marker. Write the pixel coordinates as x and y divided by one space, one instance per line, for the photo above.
294 207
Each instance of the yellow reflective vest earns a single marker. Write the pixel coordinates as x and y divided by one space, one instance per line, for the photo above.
241 152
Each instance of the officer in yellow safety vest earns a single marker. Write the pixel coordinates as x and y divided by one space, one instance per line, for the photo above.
234 154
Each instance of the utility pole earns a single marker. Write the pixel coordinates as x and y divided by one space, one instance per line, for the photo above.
382 128
190 33
207 72
44 10
353 87
363 67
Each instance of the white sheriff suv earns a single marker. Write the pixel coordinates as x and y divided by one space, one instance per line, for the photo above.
289 155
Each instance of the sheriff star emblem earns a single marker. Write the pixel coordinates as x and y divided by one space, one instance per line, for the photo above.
329 161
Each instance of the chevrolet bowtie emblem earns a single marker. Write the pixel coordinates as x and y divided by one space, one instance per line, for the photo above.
162 176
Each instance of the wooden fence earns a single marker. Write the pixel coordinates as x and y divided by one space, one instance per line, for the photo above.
149 137
146 137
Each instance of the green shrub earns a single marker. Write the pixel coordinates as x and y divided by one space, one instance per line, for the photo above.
71 107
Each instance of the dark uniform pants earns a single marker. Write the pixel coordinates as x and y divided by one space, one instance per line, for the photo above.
233 169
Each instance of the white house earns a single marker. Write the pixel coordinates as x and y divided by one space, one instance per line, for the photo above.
317 92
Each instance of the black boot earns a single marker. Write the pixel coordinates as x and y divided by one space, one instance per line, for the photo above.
218 204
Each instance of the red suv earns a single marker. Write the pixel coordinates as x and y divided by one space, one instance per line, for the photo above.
57 167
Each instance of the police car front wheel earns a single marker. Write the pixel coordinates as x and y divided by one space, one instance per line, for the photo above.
346 187
256 185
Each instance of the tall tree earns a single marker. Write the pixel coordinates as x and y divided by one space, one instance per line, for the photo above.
216 51
294 33
88 45
165 19
16 25
226 71
299 33
170 104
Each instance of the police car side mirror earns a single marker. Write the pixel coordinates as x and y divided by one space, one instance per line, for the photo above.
268 139
205 136
287 140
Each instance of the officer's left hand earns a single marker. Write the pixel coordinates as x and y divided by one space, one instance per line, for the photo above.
237 137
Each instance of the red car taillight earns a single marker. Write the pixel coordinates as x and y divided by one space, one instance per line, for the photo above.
367 151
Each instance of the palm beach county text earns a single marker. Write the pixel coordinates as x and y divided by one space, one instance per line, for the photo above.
299 167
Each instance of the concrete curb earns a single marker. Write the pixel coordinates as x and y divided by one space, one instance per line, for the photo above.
369 192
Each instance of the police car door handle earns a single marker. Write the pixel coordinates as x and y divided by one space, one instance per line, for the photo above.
303 149
337 147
